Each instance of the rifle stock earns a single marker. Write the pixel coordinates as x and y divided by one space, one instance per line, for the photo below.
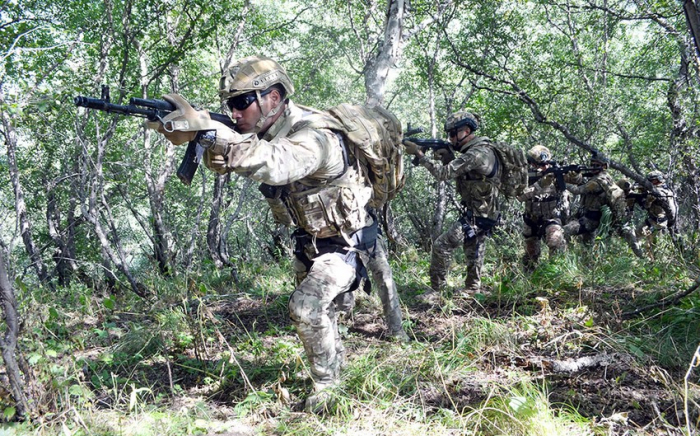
154 110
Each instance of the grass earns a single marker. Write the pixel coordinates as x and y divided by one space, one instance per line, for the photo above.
214 358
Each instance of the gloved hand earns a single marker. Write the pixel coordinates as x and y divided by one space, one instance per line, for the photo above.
411 147
445 155
181 125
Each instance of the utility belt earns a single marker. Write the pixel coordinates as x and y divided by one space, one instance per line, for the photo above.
307 248
471 225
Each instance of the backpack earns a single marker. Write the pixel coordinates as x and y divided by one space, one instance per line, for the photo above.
669 203
514 168
615 199
373 136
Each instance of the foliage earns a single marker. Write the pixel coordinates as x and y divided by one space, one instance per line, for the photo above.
141 329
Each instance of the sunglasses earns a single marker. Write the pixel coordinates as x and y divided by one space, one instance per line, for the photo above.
241 102
452 133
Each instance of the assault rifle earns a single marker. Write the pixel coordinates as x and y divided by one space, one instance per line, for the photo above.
558 171
154 110
425 144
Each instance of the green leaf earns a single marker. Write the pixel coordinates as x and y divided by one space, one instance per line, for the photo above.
53 314
76 390
108 303
9 413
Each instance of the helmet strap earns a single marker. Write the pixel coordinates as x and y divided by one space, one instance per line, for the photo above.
264 117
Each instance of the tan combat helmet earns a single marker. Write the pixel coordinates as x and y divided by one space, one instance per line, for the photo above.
600 161
538 155
461 119
656 175
253 73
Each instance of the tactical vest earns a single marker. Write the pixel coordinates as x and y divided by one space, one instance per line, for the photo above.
662 206
547 203
595 200
479 192
323 208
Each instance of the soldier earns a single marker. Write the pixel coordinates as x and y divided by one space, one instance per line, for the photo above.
544 207
305 172
477 173
661 207
632 196
595 193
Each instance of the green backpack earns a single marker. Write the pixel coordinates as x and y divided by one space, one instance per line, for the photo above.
373 136
514 168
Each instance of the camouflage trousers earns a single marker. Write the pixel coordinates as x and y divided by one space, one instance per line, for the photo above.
647 229
343 302
378 265
383 279
313 313
441 257
553 234
587 227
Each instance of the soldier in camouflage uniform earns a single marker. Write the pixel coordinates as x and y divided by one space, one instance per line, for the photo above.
310 182
594 195
632 197
660 205
477 172
544 207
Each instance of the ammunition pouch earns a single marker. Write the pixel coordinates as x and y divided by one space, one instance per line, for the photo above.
306 248
328 211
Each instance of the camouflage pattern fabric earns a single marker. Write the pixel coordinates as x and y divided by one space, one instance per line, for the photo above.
545 206
593 198
378 265
471 170
308 160
477 175
441 257
312 312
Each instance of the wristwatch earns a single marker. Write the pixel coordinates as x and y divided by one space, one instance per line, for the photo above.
207 139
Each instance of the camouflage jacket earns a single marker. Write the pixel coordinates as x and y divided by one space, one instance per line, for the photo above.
477 174
593 193
315 187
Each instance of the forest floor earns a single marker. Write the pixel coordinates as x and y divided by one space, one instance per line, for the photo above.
564 350
546 354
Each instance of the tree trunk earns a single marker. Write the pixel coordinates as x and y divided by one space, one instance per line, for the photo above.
377 68
8 343
20 205
63 256
214 240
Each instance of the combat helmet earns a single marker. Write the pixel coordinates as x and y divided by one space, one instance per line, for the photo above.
538 155
598 160
252 74
460 119
656 175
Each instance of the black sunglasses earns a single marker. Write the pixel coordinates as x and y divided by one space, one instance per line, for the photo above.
452 133
241 102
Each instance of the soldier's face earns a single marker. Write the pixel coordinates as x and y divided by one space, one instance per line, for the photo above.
246 118
457 136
